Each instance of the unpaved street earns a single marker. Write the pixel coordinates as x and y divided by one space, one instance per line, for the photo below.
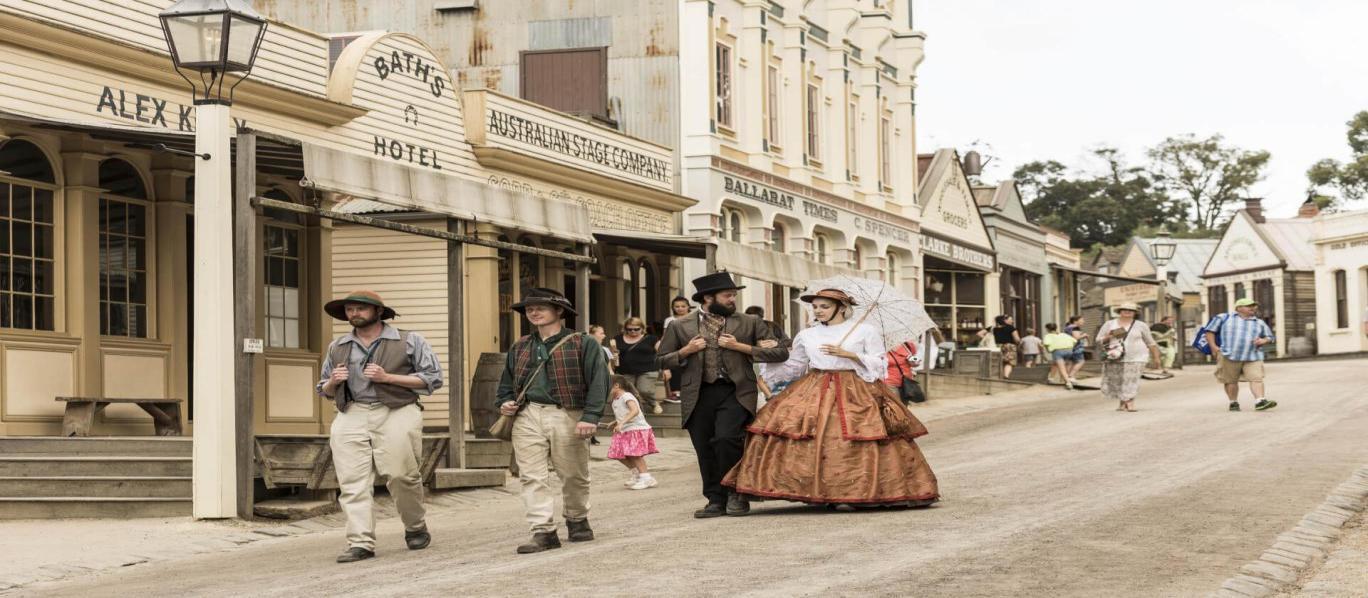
1052 496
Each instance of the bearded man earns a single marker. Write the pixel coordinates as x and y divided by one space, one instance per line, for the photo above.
715 350
374 375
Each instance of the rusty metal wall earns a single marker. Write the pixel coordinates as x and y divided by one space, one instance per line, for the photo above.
482 47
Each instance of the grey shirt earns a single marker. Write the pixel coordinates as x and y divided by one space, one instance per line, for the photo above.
426 366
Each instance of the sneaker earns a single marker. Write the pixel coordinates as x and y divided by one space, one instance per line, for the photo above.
644 483
1073 381
672 399
1265 405
1234 406
631 480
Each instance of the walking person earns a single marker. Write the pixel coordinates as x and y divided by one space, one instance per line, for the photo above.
634 356
679 308
715 351
837 435
1074 328
633 438
601 336
562 380
775 329
1030 346
1006 336
374 375
1126 344
1238 339
1166 334
902 362
1060 347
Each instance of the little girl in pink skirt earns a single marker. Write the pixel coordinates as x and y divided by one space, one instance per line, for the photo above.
632 435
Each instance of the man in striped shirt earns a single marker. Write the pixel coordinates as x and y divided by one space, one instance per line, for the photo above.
1242 336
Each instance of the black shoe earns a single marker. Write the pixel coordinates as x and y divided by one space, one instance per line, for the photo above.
714 509
355 553
1265 405
578 531
737 505
540 542
1234 406
417 540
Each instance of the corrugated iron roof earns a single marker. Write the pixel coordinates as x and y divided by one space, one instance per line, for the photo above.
1291 238
366 206
1190 257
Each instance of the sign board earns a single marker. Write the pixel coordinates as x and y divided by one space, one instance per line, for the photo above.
253 345
957 253
793 203
1138 292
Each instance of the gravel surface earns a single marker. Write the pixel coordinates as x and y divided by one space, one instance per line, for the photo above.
1047 493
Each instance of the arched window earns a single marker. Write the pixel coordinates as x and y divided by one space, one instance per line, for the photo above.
733 224
282 237
779 238
27 238
891 269
859 258
822 248
646 303
124 228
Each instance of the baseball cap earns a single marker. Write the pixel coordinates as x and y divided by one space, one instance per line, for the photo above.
1245 302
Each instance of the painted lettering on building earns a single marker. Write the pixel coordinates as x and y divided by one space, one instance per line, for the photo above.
1240 250
406 63
149 110
959 253
821 212
758 192
881 229
572 144
407 153
603 213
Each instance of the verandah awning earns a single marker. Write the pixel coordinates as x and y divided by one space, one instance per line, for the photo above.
774 267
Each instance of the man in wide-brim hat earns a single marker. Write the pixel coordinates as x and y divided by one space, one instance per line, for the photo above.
374 375
560 377
715 352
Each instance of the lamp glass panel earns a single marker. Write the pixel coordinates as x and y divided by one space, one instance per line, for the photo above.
197 39
242 42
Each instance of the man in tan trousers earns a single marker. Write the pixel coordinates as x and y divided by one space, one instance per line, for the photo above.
560 377
374 375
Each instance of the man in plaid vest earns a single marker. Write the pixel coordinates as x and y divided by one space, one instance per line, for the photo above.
561 379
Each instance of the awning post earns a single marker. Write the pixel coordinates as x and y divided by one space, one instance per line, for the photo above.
455 348
582 274
244 323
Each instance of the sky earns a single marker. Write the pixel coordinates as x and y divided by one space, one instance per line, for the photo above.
1051 79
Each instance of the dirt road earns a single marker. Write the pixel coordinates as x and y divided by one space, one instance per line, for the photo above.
1055 496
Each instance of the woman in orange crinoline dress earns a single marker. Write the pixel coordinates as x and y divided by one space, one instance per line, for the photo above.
838 435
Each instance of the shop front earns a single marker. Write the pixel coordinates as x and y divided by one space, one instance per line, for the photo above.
1341 244
1060 291
1024 274
961 277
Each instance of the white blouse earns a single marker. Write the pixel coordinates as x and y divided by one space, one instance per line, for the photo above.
806 354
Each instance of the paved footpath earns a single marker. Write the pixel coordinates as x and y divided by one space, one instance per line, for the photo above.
1047 493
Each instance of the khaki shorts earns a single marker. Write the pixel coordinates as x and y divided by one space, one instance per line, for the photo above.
1232 372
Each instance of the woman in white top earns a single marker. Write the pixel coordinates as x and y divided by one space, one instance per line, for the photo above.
836 436
1125 344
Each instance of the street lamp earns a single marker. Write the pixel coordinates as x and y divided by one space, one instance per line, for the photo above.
1162 249
214 41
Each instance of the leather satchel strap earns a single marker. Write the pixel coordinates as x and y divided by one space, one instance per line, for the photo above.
522 395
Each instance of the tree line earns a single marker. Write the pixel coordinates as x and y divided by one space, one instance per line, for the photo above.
1188 185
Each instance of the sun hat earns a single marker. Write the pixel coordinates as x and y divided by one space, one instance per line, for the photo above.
545 296
337 308
1245 301
836 295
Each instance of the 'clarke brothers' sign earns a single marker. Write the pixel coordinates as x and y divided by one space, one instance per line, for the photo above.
789 202
958 253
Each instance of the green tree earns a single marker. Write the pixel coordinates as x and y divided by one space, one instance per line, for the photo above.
1206 176
1105 206
1350 178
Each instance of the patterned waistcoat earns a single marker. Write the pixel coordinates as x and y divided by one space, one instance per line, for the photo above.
564 371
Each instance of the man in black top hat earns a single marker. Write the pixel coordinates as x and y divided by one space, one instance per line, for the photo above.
715 350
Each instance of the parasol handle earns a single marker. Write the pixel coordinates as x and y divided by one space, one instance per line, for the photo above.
873 306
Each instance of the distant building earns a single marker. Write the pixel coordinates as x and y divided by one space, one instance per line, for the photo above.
1341 247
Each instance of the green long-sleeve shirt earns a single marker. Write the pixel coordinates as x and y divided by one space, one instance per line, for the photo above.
539 389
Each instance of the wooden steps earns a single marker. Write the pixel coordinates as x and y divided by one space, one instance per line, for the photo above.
94 477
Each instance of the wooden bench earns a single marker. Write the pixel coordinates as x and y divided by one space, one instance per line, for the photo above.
81 411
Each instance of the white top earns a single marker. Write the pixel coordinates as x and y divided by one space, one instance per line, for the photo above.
620 414
1137 343
807 353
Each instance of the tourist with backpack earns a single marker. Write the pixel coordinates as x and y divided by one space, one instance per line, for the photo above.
1237 340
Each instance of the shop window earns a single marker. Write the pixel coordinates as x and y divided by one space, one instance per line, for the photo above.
723 86
282 236
1216 299
773 87
955 302
123 251
27 238
647 303
573 81
1267 300
779 238
820 241
1341 299
1240 291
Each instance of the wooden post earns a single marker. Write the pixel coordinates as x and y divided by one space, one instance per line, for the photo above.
710 259
456 385
244 321
582 274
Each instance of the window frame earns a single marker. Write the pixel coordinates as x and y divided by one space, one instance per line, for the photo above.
886 149
779 237
1341 278
821 248
812 122
774 81
302 320
149 271
57 236
852 136
724 84
891 269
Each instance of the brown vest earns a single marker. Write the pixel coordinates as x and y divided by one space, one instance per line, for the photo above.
391 355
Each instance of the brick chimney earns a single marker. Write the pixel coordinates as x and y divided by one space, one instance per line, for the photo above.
1308 209
1254 206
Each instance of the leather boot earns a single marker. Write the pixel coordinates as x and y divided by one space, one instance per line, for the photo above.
578 531
540 541
737 505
